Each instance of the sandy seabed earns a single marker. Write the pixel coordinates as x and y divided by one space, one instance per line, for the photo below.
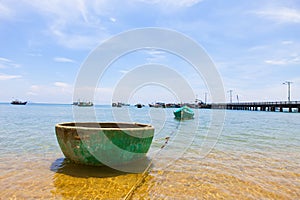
218 176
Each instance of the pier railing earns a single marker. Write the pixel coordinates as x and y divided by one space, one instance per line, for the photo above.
267 103
262 106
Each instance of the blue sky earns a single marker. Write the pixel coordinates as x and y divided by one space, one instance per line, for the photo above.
255 46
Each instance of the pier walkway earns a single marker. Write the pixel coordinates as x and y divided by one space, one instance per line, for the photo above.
258 106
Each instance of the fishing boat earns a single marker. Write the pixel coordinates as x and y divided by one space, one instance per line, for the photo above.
139 105
119 104
17 102
158 105
184 113
104 143
85 104
116 105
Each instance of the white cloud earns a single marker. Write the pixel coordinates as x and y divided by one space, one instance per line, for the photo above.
31 94
279 52
7 63
258 48
172 3
57 8
276 62
292 59
104 95
4 77
72 37
154 52
63 60
155 55
123 71
64 88
82 24
5 60
34 89
281 15
5 12
287 42
112 19
73 24
61 84
55 92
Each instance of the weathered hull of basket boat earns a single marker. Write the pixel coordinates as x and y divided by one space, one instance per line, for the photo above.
104 143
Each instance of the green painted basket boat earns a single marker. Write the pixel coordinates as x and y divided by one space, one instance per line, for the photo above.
184 113
106 143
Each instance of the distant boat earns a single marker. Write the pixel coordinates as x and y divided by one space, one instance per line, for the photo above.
125 104
119 104
17 102
173 105
184 113
158 105
116 105
139 105
84 103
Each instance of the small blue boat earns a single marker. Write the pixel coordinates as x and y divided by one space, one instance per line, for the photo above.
184 113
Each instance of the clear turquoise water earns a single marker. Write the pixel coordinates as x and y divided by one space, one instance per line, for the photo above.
257 152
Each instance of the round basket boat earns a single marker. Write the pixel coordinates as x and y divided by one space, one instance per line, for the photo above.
104 143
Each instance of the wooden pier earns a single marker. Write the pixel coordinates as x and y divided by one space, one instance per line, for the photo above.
258 106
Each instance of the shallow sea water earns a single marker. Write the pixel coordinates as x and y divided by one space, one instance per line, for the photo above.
256 156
